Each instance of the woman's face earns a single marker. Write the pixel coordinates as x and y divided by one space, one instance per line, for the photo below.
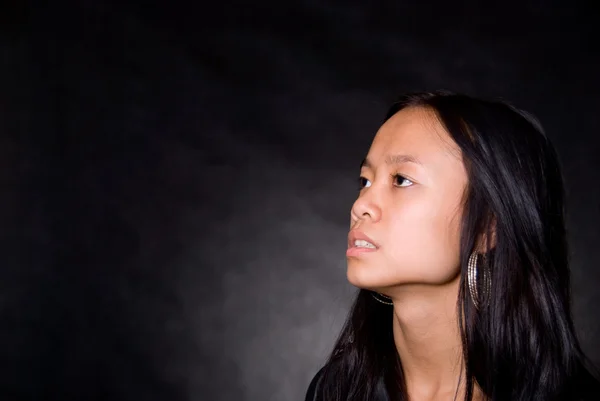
409 206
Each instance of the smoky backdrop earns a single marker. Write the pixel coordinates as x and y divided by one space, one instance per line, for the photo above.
177 177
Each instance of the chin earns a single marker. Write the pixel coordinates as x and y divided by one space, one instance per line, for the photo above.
366 277
376 277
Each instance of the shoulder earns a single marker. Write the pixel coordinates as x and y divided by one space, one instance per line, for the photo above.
311 392
315 388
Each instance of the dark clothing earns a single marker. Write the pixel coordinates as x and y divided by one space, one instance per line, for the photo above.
314 392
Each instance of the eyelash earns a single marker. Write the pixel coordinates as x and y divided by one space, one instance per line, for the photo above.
393 176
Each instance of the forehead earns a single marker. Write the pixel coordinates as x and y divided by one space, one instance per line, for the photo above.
416 132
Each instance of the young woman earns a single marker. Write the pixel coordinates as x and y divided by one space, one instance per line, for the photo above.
457 243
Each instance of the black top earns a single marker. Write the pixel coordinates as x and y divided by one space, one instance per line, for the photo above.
314 392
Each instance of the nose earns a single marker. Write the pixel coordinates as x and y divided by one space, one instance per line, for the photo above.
366 207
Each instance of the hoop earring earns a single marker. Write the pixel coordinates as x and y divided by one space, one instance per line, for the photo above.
479 299
384 299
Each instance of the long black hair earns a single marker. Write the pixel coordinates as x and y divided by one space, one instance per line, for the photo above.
520 345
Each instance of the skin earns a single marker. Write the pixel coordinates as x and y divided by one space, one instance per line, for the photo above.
415 221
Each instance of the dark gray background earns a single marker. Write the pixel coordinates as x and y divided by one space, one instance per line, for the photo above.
176 179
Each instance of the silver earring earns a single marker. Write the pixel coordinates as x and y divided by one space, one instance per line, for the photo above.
384 299
479 298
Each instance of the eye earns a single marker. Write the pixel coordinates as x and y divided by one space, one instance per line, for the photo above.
363 183
401 181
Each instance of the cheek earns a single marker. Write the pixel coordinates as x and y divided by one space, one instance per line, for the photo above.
425 235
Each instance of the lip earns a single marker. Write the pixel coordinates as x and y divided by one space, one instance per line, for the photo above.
354 235
356 251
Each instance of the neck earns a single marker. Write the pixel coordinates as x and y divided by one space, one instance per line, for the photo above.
427 337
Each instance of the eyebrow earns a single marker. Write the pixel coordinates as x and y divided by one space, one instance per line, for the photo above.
393 160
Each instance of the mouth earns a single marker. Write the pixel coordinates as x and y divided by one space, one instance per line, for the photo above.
359 243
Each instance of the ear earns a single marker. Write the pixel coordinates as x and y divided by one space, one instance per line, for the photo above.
487 240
